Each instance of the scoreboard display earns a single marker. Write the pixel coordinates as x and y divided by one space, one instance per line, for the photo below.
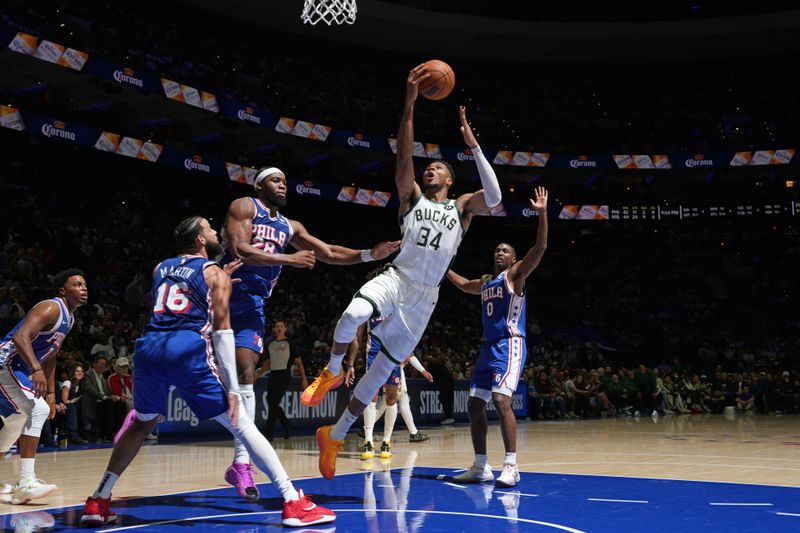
684 212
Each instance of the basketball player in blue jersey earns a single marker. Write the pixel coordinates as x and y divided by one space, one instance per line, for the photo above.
395 395
405 293
258 234
27 380
188 343
502 354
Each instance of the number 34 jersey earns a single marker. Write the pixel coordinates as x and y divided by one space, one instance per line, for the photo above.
432 233
181 296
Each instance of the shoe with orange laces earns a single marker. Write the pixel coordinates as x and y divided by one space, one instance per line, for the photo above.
97 511
303 512
326 381
328 450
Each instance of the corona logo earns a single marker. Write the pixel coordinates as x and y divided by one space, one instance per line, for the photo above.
582 161
247 115
307 187
126 75
358 140
699 161
196 163
57 129
465 155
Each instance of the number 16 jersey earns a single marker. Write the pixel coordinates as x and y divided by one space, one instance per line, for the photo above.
181 296
432 232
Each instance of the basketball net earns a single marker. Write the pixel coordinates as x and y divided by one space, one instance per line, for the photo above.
329 11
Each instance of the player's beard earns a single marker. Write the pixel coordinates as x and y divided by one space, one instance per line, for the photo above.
276 200
433 187
213 249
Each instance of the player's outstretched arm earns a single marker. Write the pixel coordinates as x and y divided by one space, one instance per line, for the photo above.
471 286
40 318
520 270
482 201
238 230
338 255
407 188
224 343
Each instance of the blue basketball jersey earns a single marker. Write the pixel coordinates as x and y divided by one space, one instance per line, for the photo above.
181 296
45 344
271 235
503 312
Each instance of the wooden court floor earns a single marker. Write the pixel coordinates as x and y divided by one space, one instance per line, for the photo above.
742 449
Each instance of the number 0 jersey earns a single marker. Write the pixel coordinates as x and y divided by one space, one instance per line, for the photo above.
503 312
181 296
432 232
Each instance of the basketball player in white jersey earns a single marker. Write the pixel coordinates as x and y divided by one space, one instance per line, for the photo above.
405 293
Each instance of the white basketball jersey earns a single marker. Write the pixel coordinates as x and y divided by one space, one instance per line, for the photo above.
432 233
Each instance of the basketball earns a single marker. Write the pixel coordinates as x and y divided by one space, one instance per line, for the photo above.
441 82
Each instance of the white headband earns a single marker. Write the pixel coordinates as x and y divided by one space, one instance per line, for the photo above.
262 174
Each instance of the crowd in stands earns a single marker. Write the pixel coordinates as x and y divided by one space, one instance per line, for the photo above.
681 106
619 319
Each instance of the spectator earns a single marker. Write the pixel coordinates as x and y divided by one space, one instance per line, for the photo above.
71 393
745 399
97 403
121 385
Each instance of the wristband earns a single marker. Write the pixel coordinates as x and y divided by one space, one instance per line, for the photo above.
35 370
366 256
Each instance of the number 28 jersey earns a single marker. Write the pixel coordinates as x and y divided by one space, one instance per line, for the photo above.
181 296
432 232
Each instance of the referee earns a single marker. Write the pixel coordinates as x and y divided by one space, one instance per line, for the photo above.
279 358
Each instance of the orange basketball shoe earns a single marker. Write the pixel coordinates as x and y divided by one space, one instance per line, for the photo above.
328 450
326 381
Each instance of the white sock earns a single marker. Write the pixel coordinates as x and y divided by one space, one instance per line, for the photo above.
369 421
388 422
105 486
481 460
26 472
511 458
335 364
405 412
380 408
240 454
262 452
345 422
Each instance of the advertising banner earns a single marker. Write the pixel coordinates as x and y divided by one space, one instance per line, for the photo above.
10 118
60 130
424 398
124 75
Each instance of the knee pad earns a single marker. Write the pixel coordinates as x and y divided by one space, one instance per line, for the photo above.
37 418
358 312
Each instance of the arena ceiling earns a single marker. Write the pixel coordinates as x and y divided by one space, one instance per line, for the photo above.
511 34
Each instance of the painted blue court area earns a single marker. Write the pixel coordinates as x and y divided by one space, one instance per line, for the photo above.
424 499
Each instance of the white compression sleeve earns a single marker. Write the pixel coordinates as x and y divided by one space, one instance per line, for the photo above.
491 189
413 361
225 350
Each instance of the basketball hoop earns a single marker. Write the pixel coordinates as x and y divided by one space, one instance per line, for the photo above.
329 11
